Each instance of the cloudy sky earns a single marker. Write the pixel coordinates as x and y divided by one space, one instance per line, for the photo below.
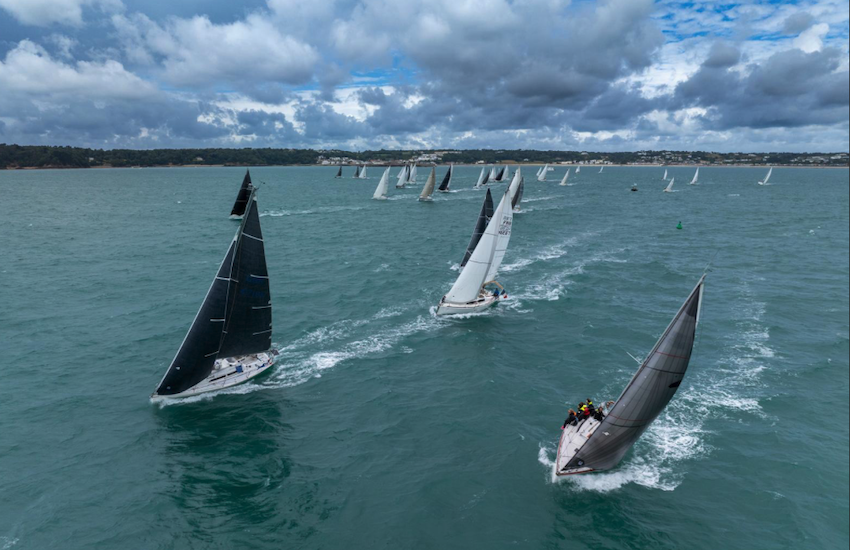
543 74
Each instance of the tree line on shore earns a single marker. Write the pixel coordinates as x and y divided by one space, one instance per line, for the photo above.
44 156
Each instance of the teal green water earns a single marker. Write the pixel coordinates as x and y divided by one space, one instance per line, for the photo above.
383 426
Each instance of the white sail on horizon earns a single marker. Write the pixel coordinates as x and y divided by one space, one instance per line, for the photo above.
669 187
665 175
767 177
542 175
512 188
601 168
567 175
402 177
578 169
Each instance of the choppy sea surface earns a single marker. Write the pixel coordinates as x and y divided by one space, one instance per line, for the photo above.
382 426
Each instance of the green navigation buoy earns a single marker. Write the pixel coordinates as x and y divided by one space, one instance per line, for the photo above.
679 225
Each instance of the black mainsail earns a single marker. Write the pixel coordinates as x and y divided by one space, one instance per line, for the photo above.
483 219
339 172
501 174
444 185
356 172
518 195
242 197
648 392
236 316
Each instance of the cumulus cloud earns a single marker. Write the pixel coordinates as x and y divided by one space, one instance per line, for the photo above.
47 12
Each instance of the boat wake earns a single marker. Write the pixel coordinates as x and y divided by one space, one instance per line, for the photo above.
319 210
552 286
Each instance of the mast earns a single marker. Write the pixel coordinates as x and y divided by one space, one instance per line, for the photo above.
447 180
235 316
648 392
480 225
242 197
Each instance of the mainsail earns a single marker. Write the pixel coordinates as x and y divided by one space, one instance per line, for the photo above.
482 177
480 225
767 177
518 195
500 174
362 174
665 174
339 172
669 187
447 180
696 177
648 392
601 168
514 186
235 317
429 185
402 177
567 175
578 169
487 256
542 175
242 197
381 190
411 174
356 172
492 176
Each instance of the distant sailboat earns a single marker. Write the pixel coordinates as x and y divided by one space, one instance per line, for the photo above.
669 188
428 190
665 175
469 293
411 174
767 177
542 175
403 177
507 175
514 185
578 169
483 219
356 172
500 175
567 175
696 177
601 168
362 174
492 176
238 209
634 187
230 340
593 445
381 191
339 173
518 195
482 178
447 180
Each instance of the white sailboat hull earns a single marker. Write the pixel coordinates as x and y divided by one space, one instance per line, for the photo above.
226 373
572 440
381 198
426 199
453 308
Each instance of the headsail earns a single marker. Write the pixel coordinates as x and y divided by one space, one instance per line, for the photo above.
381 190
411 173
429 186
362 174
482 177
567 175
492 176
235 316
480 225
542 175
648 392
486 257
447 180
696 177
402 177
243 195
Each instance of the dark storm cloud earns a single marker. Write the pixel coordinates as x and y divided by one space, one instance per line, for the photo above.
722 55
790 89
797 23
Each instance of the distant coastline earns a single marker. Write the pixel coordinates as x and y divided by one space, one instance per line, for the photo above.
33 157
